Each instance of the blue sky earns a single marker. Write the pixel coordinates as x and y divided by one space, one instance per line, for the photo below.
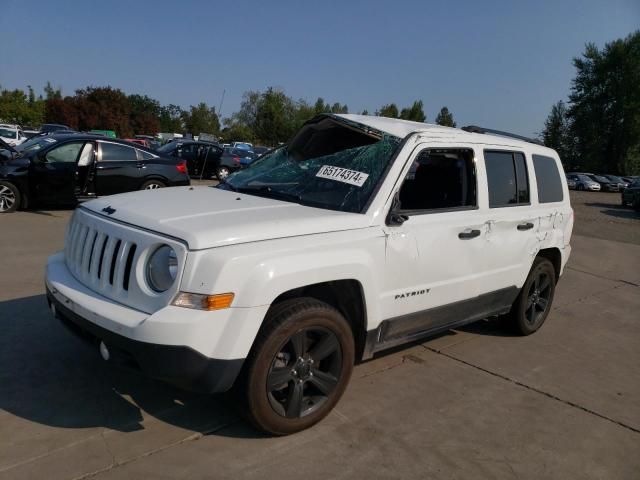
493 63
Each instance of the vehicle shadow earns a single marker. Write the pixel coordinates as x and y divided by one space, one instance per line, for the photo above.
50 377
614 210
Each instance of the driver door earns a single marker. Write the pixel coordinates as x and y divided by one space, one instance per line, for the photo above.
53 173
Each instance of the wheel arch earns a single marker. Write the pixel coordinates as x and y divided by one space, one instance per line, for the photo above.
554 255
346 295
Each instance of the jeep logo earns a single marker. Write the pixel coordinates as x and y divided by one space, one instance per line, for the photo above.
411 294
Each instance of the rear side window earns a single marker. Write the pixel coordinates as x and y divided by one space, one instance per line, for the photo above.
145 155
507 178
547 179
113 152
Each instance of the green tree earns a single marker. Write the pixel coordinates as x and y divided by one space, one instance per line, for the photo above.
414 113
604 110
21 108
202 119
171 119
103 108
51 93
390 110
275 117
556 132
445 118
144 114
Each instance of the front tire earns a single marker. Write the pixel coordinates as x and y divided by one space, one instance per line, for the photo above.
531 308
299 366
10 197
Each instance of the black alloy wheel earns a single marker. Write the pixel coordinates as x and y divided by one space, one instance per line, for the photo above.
305 372
9 197
298 368
533 304
538 297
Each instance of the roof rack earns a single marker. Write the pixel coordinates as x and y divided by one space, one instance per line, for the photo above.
476 129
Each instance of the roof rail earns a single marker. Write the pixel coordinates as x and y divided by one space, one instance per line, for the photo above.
475 129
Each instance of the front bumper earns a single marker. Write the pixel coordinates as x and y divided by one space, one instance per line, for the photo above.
178 365
169 345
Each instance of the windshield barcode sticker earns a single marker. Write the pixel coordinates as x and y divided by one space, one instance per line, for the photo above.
344 175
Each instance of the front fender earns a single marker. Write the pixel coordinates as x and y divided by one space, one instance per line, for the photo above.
257 273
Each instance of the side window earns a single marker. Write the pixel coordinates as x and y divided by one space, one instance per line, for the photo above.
65 153
547 179
142 155
114 152
507 178
440 179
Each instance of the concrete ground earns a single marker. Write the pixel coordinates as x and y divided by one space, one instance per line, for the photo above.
475 403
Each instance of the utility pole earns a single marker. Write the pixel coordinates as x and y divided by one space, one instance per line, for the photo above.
220 106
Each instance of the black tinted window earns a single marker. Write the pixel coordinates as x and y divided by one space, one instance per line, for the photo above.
115 152
521 177
547 179
440 179
506 178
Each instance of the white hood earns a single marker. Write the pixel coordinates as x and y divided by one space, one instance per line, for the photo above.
207 217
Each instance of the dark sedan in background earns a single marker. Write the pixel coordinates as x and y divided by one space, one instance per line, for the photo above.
203 158
62 169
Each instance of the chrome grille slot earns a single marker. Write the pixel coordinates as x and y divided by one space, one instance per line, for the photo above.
103 255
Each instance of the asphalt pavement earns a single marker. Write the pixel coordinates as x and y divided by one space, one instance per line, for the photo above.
473 403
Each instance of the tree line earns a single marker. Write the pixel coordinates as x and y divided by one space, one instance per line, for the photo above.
268 117
598 129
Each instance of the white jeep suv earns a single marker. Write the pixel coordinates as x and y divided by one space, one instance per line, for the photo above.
361 234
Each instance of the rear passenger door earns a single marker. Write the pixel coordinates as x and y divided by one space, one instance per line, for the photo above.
512 224
117 169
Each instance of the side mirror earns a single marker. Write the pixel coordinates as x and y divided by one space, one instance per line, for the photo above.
394 217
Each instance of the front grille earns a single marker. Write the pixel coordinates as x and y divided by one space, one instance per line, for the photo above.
101 261
107 257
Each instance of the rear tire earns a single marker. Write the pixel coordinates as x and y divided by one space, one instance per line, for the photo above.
531 308
222 173
152 185
298 368
10 197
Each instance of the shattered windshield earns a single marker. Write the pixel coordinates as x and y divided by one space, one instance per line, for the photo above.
329 164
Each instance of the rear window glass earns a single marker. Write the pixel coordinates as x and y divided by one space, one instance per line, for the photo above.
547 179
507 178
115 152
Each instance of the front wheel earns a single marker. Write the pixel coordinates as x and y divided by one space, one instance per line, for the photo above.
299 366
533 304
9 197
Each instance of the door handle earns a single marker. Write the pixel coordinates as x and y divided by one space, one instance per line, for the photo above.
468 234
525 226
141 165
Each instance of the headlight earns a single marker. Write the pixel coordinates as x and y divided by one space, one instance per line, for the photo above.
162 268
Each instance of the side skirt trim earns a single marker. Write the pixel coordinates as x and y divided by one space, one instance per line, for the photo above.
414 326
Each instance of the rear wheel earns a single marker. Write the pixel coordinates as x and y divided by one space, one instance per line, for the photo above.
533 304
299 366
9 197
222 172
152 185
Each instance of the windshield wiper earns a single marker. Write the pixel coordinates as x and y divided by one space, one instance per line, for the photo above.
266 191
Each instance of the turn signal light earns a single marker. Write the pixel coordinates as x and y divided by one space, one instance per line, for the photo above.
203 302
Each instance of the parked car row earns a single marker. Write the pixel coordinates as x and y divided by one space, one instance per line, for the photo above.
66 168
630 196
597 183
